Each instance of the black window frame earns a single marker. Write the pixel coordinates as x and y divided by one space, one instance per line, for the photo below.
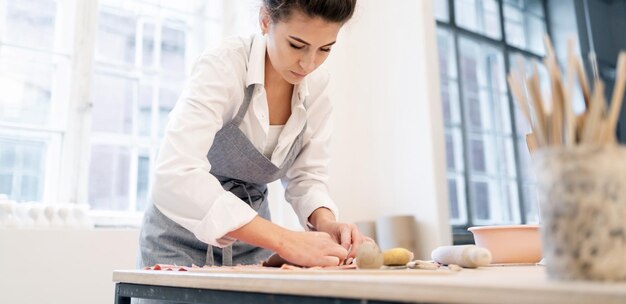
460 233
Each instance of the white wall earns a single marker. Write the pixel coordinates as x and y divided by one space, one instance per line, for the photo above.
63 266
388 153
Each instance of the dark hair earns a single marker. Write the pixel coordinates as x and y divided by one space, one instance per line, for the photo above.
330 10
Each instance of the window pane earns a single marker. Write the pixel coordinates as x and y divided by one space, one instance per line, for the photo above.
491 155
446 52
145 109
484 88
448 78
536 29
525 25
116 37
525 163
31 22
509 203
441 10
109 178
506 157
113 104
456 198
454 150
148 51
531 203
173 52
481 16
450 102
167 99
494 201
143 180
22 168
478 154
480 201
25 83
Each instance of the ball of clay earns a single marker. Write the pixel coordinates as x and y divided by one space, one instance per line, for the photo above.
369 256
397 257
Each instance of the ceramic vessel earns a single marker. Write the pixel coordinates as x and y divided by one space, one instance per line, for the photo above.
510 243
582 197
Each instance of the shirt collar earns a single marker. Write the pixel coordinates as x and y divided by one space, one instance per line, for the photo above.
256 61
303 89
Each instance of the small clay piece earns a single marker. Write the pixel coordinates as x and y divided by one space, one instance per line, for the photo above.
368 256
418 264
454 267
397 257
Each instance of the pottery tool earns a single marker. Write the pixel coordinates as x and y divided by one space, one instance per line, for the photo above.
556 121
568 92
552 120
468 256
617 98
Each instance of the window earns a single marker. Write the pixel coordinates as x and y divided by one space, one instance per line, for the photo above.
34 64
487 160
98 146
141 63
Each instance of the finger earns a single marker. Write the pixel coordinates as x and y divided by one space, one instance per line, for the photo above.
357 240
346 236
337 251
328 261
323 235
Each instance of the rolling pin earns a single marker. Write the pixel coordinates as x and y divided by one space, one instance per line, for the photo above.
468 256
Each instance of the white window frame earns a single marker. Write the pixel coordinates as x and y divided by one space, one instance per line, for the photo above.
69 136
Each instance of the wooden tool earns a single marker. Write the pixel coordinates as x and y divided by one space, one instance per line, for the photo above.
553 121
617 98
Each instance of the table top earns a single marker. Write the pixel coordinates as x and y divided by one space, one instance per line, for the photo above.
497 284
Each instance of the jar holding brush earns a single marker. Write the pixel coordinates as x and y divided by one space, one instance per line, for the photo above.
580 169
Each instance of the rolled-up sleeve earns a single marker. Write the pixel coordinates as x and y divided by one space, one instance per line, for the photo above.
306 182
183 188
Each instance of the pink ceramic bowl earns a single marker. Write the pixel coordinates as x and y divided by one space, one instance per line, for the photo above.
509 243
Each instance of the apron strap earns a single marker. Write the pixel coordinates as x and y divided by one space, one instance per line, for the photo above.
227 256
209 256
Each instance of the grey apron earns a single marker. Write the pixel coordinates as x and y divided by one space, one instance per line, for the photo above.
242 170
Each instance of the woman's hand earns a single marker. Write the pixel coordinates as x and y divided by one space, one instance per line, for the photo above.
311 249
346 234
301 248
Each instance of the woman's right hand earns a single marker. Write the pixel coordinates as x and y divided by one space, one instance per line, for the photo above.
310 248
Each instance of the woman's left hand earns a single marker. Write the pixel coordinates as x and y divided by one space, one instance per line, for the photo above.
345 234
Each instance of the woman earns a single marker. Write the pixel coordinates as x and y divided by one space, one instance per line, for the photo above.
260 108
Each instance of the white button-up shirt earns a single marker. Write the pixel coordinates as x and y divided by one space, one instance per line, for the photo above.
183 188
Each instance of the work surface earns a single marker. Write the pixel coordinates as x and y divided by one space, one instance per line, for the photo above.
503 284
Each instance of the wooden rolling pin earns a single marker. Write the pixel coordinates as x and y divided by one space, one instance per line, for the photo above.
468 256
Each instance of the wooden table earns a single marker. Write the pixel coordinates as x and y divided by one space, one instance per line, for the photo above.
504 284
